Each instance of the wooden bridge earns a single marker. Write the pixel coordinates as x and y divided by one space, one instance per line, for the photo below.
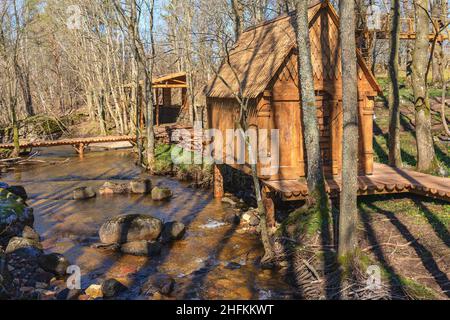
80 144
407 29
407 32
163 133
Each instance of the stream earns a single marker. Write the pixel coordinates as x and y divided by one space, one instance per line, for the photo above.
212 261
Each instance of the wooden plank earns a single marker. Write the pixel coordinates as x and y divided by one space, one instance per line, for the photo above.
385 180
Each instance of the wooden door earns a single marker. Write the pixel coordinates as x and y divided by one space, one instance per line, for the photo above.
286 118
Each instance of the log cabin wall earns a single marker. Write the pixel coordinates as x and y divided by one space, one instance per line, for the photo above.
222 115
285 114
278 103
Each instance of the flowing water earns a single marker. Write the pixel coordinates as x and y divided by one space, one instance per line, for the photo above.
213 261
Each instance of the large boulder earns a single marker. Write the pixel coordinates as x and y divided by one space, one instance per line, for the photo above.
54 262
14 216
68 294
4 185
161 283
141 186
30 233
161 194
27 247
173 231
232 218
141 248
19 191
5 277
111 288
132 227
229 200
114 188
83 193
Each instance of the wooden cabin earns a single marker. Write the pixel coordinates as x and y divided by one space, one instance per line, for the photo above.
169 108
170 98
264 59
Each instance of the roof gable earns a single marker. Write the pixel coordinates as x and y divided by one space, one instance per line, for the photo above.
261 51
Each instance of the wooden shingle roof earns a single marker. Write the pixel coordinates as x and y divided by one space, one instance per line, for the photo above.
260 52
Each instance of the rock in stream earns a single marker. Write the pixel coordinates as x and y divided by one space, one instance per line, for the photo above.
128 228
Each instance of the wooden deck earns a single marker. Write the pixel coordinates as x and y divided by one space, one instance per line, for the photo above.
385 180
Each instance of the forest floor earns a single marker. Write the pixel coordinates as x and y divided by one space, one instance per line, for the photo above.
408 238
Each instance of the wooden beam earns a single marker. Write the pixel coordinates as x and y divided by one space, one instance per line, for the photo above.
218 183
172 86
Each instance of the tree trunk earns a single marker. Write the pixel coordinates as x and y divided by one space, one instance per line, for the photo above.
425 145
315 178
101 112
436 13
134 30
348 216
15 126
260 10
283 6
437 62
149 97
189 65
265 238
395 156
238 12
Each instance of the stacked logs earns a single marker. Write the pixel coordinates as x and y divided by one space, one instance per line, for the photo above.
182 136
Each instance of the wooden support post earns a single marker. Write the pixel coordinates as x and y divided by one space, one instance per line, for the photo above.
167 97
157 106
185 102
366 138
218 183
82 146
270 207
80 149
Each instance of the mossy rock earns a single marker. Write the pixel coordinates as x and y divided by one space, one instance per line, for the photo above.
161 194
14 215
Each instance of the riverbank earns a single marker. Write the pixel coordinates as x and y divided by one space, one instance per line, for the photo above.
26 272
